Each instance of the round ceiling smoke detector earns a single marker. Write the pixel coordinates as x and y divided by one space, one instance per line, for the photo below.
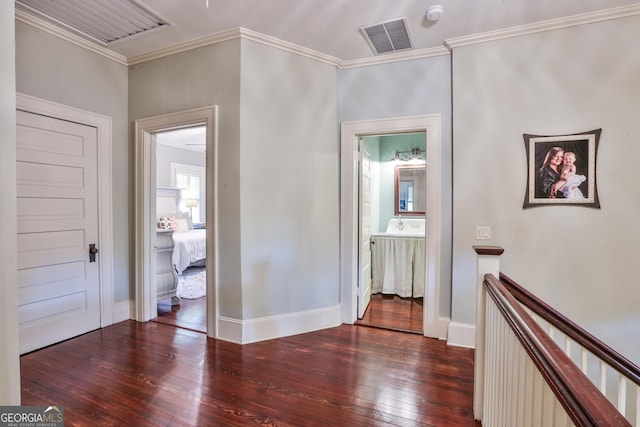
435 12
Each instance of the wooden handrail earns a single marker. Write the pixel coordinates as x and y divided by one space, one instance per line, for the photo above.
572 330
488 250
582 401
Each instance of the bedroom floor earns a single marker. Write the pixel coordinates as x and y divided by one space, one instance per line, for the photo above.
190 314
192 311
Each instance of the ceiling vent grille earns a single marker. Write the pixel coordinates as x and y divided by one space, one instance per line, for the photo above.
388 36
102 21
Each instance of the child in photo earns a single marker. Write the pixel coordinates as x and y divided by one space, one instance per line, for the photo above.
569 181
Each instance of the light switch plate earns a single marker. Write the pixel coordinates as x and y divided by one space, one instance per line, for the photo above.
483 233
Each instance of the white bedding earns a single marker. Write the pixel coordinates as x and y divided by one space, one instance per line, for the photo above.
190 247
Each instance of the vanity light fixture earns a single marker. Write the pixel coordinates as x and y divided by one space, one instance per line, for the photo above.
405 156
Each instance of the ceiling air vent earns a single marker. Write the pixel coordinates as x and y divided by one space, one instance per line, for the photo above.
388 36
102 21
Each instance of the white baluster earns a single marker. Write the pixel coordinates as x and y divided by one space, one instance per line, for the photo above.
622 394
637 406
567 346
603 378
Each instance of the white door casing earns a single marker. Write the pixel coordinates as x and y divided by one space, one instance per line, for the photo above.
349 243
364 251
57 217
145 179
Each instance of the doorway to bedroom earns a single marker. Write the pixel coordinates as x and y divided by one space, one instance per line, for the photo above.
175 217
180 214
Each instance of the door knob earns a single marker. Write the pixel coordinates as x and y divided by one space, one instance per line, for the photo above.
92 252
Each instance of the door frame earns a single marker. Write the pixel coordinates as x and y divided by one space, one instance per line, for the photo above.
350 133
31 104
145 183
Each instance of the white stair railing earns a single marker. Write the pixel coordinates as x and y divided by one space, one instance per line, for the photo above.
615 377
543 372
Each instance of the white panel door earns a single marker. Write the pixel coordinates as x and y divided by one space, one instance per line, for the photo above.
57 212
364 251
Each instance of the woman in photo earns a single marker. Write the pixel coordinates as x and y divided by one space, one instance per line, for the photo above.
549 174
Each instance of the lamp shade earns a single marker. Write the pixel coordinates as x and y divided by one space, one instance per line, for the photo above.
191 203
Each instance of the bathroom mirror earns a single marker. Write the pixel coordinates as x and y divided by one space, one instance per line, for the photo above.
410 183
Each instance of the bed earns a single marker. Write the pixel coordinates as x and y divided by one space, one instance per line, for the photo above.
190 249
190 242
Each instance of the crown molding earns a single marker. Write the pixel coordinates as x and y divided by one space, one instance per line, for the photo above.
449 44
395 57
68 36
289 47
242 33
553 24
183 47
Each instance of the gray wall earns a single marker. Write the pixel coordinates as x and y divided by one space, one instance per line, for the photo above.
278 169
52 69
205 76
166 155
408 88
580 260
289 183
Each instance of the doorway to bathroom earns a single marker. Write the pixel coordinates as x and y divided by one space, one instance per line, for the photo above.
391 217
354 295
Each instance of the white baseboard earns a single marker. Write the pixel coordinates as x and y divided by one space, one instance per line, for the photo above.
266 328
443 328
123 310
230 329
462 335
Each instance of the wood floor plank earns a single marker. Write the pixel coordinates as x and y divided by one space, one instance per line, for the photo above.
394 312
153 374
189 314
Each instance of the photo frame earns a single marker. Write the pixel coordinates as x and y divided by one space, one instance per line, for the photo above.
561 169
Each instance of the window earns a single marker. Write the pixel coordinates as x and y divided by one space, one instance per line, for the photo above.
190 179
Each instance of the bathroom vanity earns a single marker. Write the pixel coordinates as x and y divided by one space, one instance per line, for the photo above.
399 258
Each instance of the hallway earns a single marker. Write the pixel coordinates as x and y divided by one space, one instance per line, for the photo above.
151 374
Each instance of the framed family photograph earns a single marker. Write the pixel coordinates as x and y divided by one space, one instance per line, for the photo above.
561 169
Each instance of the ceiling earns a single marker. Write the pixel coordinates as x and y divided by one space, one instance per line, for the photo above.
332 27
191 138
328 27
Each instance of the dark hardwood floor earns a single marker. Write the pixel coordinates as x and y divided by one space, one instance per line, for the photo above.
384 311
190 314
153 374
394 312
